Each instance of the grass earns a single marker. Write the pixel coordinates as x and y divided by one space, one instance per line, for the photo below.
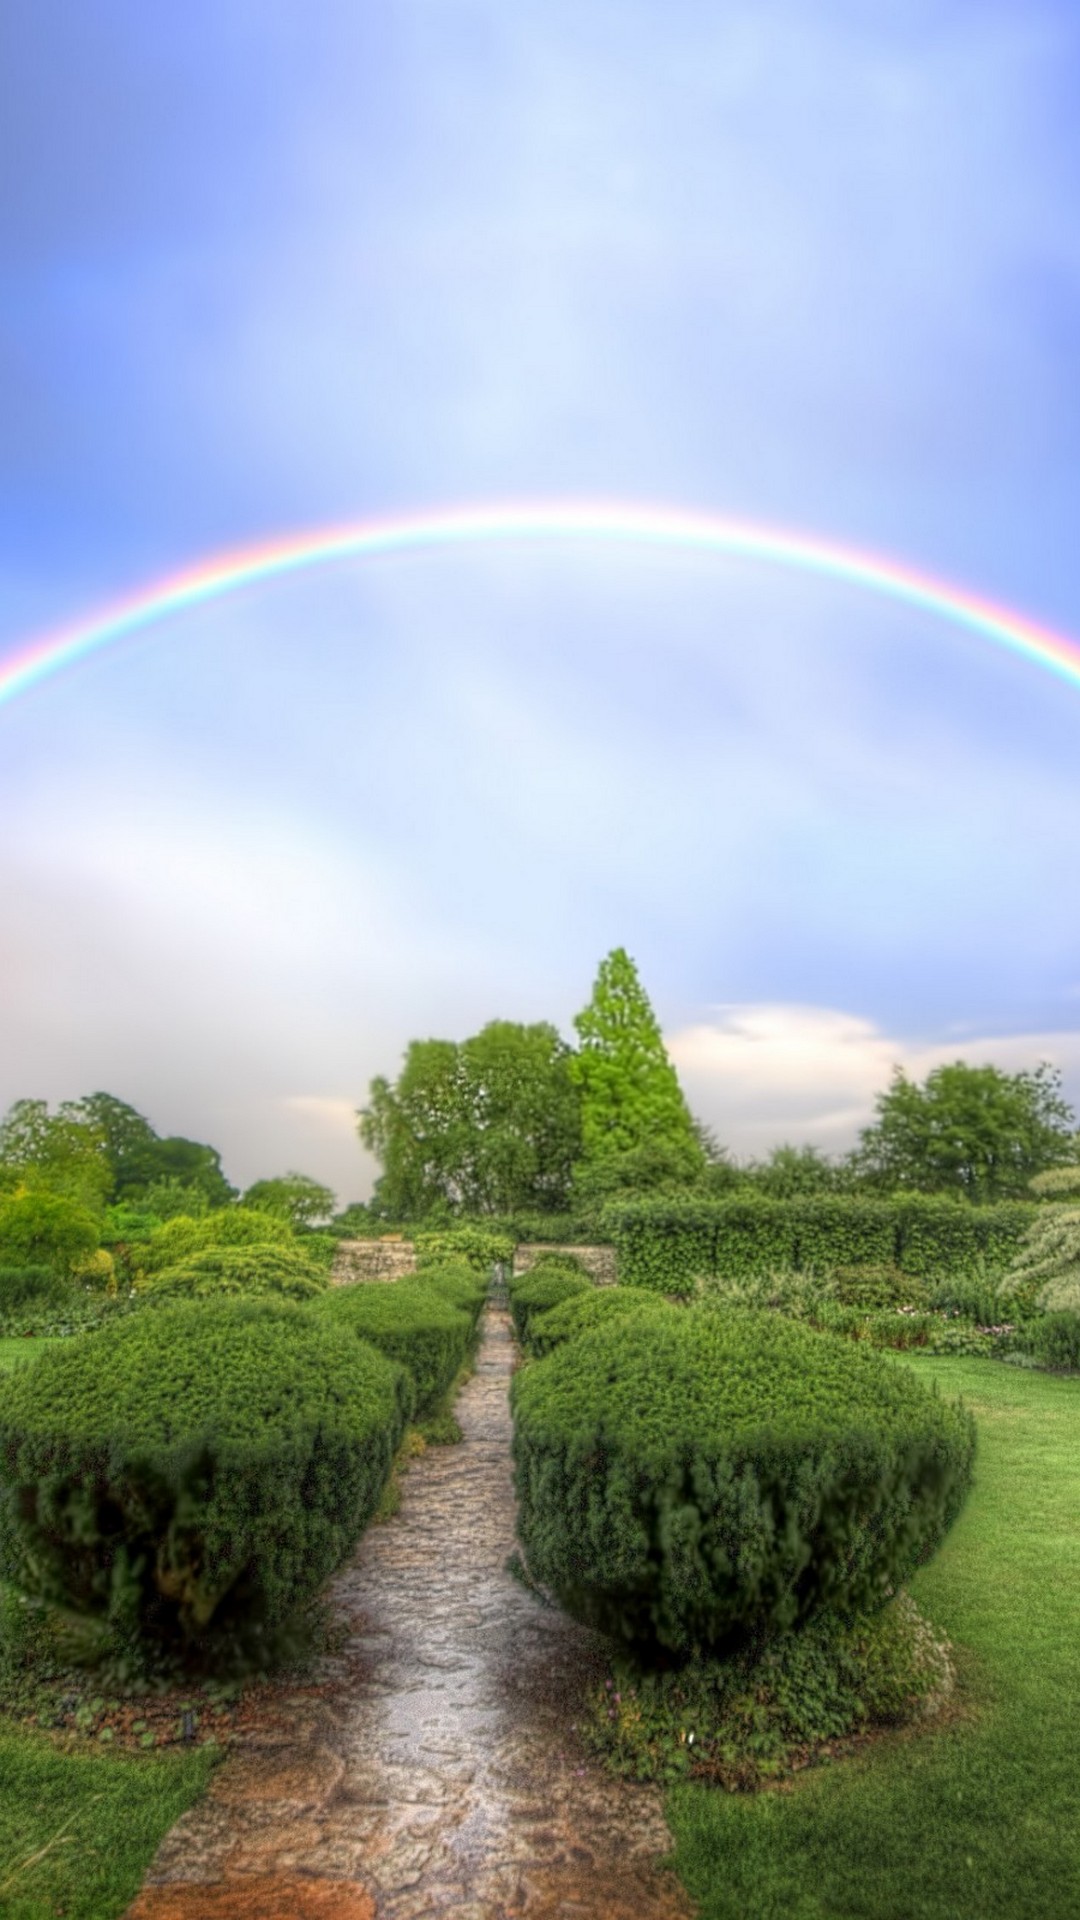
981 1820
78 1830
14 1351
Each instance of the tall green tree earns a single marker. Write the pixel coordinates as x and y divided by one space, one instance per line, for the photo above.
488 1125
630 1092
973 1131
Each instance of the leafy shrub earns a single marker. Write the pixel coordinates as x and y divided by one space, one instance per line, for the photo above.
191 1476
847 1231
409 1321
685 1481
482 1247
1054 1340
1046 1271
584 1312
183 1236
96 1271
533 1295
1058 1183
41 1229
31 1286
557 1259
877 1285
753 1718
320 1246
460 1284
269 1268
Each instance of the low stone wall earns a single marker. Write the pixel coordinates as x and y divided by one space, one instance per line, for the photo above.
372 1260
598 1262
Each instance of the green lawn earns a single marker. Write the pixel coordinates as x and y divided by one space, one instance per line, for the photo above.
93 1819
12 1351
977 1822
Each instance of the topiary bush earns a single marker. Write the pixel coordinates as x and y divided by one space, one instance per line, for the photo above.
269 1268
584 1312
461 1285
191 1476
686 1481
533 1295
411 1322
183 1236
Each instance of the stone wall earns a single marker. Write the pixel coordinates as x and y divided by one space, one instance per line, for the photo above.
372 1260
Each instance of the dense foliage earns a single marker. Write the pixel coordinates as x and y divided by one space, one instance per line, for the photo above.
1046 1270
973 1131
688 1480
584 1312
460 1284
182 1237
488 1125
535 1293
192 1475
412 1322
479 1246
39 1228
265 1267
669 1245
301 1201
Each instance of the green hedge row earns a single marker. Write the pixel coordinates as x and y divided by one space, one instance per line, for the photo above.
585 1312
669 1244
410 1321
191 1475
533 1294
688 1479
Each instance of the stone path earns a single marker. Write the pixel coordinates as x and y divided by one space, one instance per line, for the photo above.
436 1772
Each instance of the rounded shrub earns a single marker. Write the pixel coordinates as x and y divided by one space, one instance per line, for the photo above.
686 1481
410 1322
481 1247
533 1295
560 1259
462 1285
269 1268
584 1312
39 1229
182 1236
192 1475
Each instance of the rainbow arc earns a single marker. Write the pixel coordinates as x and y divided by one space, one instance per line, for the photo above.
598 521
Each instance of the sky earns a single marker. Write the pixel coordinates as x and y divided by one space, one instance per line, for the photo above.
264 268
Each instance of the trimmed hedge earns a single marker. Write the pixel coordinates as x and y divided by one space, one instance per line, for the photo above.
258 1269
533 1295
584 1312
183 1236
409 1321
668 1245
686 1481
192 1475
460 1284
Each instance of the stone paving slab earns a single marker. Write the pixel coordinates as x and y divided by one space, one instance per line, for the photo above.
438 1773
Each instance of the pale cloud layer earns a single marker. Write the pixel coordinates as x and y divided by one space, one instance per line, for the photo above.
764 1075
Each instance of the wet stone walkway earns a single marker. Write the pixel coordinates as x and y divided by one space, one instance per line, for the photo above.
435 1771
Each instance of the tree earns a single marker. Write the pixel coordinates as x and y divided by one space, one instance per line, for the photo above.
974 1131
294 1197
47 1229
62 1152
488 1125
630 1093
795 1173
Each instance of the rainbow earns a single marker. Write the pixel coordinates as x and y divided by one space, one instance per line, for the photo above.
225 573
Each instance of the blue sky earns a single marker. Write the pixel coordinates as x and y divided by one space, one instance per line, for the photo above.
266 267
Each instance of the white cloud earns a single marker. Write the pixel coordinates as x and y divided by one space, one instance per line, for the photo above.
764 1074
